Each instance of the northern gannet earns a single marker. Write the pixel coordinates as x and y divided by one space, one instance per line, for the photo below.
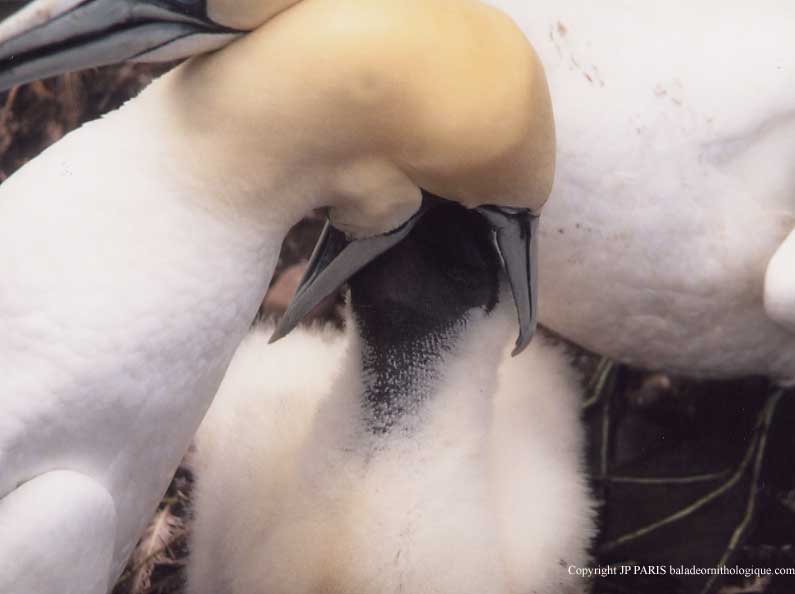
412 455
674 197
134 252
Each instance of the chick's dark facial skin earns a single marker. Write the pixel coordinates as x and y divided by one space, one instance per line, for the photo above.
411 303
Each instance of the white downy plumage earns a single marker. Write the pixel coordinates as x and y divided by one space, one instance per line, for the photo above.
481 490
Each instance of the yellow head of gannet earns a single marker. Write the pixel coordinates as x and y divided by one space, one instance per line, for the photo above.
383 101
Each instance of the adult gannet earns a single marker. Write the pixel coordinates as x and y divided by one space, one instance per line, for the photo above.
413 455
674 196
135 251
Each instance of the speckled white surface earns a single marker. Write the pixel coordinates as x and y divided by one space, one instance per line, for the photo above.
675 181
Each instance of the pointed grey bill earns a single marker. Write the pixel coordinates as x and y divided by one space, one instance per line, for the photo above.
50 37
336 259
516 234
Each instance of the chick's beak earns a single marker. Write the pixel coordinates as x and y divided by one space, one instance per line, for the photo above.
50 37
337 258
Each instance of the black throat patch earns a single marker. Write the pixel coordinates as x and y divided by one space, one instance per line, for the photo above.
411 307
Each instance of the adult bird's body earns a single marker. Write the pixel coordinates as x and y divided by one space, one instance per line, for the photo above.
135 252
674 185
416 456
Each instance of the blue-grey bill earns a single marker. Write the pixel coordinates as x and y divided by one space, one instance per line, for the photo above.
94 33
516 235
336 258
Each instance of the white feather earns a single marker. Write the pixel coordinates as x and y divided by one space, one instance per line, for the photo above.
482 492
675 183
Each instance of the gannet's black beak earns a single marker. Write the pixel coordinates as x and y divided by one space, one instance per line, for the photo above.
337 258
50 37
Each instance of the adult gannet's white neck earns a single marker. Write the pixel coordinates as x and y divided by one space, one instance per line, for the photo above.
128 284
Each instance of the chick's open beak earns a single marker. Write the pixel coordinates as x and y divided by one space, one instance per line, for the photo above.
337 258
50 37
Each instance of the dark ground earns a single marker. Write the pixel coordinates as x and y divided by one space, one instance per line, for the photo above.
689 473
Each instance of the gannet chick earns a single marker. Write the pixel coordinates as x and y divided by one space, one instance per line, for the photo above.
135 251
413 454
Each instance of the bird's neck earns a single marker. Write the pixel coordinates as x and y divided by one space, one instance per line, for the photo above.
402 356
146 260
234 171
417 372
419 307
